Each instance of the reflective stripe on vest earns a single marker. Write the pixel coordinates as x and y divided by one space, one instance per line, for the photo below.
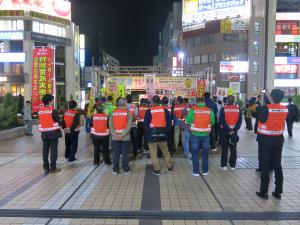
201 119
55 127
275 124
69 119
120 117
46 121
93 131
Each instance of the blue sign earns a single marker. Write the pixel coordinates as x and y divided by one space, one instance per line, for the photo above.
209 5
6 35
205 5
293 60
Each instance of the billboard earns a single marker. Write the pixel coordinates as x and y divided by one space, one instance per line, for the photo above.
57 8
287 60
16 57
197 12
286 69
236 26
234 66
42 75
287 38
287 83
8 35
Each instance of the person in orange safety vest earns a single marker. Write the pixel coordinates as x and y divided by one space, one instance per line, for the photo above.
120 125
230 122
71 126
100 136
270 129
50 133
144 106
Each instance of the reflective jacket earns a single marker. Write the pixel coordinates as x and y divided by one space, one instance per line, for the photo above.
275 124
232 114
100 125
69 119
201 119
158 117
142 112
46 121
178 109
119 117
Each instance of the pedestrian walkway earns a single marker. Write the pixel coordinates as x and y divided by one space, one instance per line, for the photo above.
83 194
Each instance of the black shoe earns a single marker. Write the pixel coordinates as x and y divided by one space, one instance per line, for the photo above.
96 164
72 159
276 195
46 172
108 163
171 169
156 172
258 170
262 195
54 170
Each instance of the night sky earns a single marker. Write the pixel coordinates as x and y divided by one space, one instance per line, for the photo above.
130 27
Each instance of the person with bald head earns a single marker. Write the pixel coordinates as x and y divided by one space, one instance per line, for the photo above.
120 125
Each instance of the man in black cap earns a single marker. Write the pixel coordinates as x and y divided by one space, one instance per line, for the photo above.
271 125
50 130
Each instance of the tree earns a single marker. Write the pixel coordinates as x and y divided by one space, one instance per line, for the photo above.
8 112
20 103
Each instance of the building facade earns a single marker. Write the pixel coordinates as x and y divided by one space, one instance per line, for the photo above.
25 27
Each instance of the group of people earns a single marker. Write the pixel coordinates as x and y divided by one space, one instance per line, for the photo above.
159 125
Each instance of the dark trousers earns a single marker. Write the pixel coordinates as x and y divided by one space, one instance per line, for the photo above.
212 139
290 125
224 139
50 145
217 131
71 141
255 126
249 123
170 141
271 153
101 144
140 134
120 147
133 137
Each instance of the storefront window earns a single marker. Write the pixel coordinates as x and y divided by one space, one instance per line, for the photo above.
286 49
49 29
16 46
11 25
197 59
2 90
16 89
17 68
289 92
2 48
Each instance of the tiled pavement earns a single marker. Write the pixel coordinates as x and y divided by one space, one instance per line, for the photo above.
80 186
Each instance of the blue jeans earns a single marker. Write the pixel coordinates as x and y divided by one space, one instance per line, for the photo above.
187 142
198 142
120 147
88 124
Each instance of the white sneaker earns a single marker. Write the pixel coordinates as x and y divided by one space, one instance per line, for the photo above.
114 173
195 174
214 150
232 168
224 168
205 174
127 173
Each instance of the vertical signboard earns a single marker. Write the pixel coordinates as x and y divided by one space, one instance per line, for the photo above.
201 88
121 90
42 76
150 85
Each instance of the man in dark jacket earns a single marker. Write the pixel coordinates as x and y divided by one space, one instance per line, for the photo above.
50 133
213 106
71 126
293 116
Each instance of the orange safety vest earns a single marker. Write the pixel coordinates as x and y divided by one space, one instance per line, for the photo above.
276 121
120 117
142 112
46 121
100 125
201 119
232 114
158 117
69 118
178 111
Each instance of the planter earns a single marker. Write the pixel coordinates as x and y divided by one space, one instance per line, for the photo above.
12 133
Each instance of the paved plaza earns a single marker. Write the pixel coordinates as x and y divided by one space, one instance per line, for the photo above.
83 194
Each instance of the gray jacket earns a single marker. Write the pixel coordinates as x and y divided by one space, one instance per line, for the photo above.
27 112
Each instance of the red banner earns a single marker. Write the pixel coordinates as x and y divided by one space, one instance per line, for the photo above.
201 88
42 75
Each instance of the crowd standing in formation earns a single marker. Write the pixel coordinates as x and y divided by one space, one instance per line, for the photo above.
158 126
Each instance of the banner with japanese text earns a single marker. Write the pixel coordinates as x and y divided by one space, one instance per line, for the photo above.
42 76
201 88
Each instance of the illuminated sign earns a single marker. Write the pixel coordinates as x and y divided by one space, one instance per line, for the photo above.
11 35
82 41
288 16
234 66
287 60
287 38
233 26
18 57
56 8
13 13
287 83
197 12
286 69
3 79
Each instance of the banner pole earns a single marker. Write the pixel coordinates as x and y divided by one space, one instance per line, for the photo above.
54 78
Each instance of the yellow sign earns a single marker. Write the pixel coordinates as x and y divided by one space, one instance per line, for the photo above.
190 6
230 91
91 104
121 91
188 83
226 26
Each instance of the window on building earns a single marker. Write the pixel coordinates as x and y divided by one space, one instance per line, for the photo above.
257 27
16 46
235 37
16 89
11 25
197 59
2 90
197 41
231 56
190 60
204 58
256 49
212 57
2 48
286 76
60 54
17 68
61 93
289 92
287 27
211 39
255 68
50 29
190 42
1 67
